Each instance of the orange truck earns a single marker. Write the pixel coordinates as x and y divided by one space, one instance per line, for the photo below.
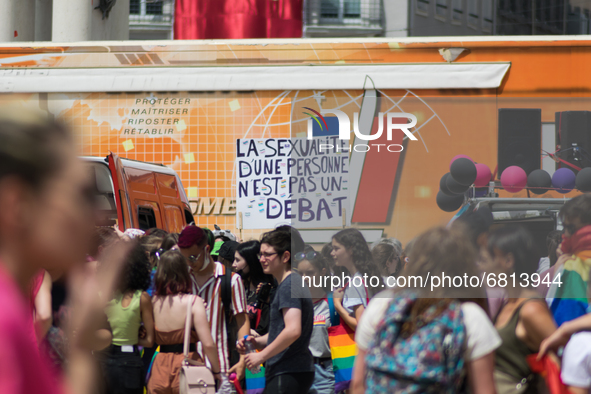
186 103
134 194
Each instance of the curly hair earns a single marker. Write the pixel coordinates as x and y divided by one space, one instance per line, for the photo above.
136 269
355 243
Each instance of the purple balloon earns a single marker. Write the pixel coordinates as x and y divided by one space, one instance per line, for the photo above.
564 180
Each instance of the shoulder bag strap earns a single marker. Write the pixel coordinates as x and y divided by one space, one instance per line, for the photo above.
226 290
188 328
335 319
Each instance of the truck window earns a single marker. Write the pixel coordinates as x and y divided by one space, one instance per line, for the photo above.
146 218
189 217
104 193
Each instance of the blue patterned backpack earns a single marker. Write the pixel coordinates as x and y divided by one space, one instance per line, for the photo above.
430 360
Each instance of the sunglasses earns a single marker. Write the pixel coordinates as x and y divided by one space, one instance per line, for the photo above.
305 256
193 258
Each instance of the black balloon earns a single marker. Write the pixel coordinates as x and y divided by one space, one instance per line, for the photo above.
449 203
583 180
463 171
540 181
455 187
443 185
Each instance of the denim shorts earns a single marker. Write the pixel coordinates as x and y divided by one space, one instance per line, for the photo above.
323 379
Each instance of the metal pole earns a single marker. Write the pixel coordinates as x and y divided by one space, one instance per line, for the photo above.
533 17
564 15
495 12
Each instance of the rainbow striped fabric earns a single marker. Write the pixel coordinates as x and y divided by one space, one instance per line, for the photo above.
343 349
255 384
570 297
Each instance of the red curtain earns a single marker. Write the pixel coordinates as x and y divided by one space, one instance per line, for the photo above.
211 19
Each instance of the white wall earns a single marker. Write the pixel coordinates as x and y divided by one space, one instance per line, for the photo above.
396 18
17 20
62 21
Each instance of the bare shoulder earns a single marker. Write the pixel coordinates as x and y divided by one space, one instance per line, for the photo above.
534 310
197 302
145 298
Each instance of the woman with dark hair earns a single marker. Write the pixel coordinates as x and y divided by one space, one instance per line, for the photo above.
350 250
524 321
130 309
169 241
289 366
173 292
248 266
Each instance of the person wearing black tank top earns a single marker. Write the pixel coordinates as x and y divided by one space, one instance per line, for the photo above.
524 320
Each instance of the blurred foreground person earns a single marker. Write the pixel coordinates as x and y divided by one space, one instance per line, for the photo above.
46 221
524 320
568 299
409 344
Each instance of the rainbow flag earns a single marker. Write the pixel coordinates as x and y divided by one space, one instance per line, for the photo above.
255 384
570 298
342 348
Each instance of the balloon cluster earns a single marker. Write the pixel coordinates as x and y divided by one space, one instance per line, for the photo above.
463 172
514 179
563 181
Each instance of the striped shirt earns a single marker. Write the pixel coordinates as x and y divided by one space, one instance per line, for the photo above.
211 294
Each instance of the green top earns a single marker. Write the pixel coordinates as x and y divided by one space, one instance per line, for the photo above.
125 322
510 357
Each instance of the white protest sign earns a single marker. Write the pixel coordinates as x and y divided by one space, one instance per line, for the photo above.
292 181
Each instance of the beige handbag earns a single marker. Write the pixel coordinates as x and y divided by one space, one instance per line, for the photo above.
195 377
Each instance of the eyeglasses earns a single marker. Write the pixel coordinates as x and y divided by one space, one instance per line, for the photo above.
266 255
305 256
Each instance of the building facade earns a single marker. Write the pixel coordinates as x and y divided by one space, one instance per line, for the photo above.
151 19
63 20
498 17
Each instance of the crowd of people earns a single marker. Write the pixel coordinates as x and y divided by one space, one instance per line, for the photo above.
75 297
